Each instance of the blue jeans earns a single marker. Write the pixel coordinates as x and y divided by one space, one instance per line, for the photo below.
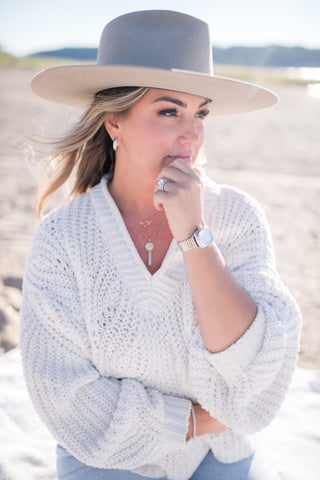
251 468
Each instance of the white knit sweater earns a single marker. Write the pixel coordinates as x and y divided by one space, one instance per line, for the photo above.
113 356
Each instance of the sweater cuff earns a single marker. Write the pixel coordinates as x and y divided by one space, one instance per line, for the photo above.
235 360
176 419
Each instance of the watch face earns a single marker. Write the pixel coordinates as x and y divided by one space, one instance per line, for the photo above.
205 237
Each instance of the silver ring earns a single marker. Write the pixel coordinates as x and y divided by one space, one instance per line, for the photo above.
161 183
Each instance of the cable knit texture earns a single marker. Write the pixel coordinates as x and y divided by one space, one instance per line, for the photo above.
113 356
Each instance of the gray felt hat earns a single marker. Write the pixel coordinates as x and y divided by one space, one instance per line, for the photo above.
158 49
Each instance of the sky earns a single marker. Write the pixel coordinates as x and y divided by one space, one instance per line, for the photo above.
28 26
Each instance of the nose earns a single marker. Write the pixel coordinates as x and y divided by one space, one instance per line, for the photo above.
191 133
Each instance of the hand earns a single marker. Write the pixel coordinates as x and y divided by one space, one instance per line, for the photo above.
182 199
205 424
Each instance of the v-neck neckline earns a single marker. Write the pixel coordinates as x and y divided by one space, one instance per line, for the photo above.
124 251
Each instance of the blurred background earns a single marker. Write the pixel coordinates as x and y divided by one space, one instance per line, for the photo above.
274 154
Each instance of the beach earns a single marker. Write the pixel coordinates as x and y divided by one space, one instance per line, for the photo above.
274 155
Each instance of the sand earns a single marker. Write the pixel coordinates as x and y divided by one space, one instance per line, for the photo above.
273 155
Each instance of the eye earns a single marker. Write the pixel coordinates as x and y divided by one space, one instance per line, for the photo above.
203 113
169 112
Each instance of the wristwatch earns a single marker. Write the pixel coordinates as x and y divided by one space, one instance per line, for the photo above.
201 238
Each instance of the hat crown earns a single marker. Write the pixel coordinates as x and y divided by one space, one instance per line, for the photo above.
157 39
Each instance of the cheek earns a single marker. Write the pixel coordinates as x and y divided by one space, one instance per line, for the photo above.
155 137
157 129
148 145
201 132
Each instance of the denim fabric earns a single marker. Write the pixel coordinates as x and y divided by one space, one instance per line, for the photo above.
251 468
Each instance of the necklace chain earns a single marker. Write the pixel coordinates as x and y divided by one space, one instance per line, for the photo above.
147 243
145 223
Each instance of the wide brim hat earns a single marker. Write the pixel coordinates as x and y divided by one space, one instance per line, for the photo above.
157 49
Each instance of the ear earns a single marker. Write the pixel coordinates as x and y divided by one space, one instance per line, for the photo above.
112 126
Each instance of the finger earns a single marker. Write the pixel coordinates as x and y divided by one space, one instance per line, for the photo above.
159 200
162 196
180 164
177 171
173 174
179 180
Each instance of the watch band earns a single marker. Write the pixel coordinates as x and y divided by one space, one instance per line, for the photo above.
188 244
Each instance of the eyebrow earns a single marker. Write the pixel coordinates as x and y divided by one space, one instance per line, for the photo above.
178 102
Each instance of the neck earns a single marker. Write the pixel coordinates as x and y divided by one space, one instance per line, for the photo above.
133 196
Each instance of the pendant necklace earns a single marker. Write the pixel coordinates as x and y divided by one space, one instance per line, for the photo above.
149 244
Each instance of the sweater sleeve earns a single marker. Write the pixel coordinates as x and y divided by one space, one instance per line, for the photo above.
244 385
104 422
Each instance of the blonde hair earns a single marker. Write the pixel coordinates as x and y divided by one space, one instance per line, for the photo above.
88 146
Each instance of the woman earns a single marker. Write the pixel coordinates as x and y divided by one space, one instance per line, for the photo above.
156 334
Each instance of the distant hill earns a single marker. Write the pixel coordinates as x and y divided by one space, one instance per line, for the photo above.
269 56
81 54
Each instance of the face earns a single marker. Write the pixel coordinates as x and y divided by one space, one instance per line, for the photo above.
160 127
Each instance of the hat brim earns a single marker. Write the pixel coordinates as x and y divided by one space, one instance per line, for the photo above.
76 85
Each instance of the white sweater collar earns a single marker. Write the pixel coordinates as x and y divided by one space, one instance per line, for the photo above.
125 256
